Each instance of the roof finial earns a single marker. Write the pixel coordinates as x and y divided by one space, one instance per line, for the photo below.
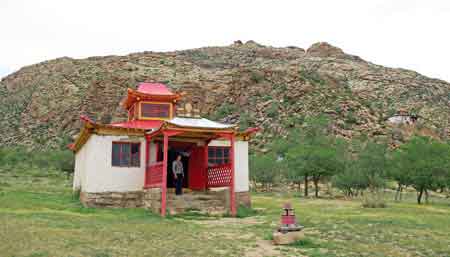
188 111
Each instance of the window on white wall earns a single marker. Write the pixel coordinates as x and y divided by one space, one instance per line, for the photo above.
126 154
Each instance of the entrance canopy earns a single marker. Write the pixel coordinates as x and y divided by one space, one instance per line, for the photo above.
193 128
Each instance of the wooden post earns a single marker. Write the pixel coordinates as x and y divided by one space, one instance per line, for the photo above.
205 161
149 151
157 151
232 194
147 158
164 174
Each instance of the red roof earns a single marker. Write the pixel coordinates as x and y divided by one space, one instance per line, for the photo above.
154 89
149 92
139 124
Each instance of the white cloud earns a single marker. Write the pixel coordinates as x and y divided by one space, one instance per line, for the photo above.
408 34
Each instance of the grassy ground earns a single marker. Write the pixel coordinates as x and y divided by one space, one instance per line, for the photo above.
39 216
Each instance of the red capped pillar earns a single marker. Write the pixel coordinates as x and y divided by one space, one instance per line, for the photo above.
164 174
232 194
147 159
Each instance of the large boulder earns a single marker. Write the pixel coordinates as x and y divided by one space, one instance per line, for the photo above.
287 238
323 49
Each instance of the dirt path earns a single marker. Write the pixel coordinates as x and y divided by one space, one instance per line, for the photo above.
264 248
261 248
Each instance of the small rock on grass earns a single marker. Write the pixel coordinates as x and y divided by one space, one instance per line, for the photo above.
287 238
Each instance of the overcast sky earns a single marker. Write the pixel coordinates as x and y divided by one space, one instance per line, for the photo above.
402 33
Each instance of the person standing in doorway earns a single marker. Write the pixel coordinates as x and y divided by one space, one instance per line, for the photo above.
178 174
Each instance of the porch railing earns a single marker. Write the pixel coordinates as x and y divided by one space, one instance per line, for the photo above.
219 175
154 175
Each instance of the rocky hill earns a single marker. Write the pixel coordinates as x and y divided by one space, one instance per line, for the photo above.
255 85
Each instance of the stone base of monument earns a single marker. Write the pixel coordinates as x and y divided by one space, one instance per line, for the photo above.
287 238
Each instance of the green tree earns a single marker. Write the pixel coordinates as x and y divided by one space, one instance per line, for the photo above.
14 156
19 157
63 161
264 170
399 173
312 154
425 163
351 180
364 168
373 162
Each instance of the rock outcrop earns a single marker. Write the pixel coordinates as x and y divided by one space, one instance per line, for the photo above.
254 85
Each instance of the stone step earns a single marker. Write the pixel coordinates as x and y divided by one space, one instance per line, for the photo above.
197 196
183 201
218 210
195 204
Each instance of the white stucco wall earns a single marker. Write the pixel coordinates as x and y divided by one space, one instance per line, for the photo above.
241 176
94 172
79 177
99 174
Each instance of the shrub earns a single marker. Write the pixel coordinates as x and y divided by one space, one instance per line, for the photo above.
245 121
272 111
374 200
223 111
63 160
351 118
268 235
18 157
244 212
256 76
13 156
312 77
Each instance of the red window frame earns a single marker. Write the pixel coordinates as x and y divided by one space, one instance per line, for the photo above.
218 155
120 162
155 110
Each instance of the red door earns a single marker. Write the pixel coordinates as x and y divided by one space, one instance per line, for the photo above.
197 171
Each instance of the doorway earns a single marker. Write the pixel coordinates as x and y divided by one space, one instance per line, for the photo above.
175 149
194 164
172 155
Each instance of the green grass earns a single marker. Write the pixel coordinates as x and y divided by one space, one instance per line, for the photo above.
305 243
39 216
244 212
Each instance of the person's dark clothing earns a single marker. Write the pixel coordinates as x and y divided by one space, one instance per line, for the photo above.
178 174
179 185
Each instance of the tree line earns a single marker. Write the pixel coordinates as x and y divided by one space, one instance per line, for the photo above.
20 158
312 155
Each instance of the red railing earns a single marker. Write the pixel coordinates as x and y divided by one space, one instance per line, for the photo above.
219 175
154 175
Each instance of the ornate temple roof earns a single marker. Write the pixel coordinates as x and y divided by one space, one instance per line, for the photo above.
153 89
149 92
